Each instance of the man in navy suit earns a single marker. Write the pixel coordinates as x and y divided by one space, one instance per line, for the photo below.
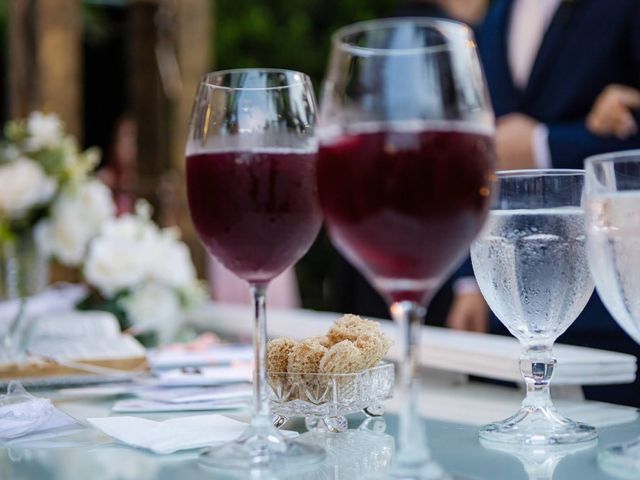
546 63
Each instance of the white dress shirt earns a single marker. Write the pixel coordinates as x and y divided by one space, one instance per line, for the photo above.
529 22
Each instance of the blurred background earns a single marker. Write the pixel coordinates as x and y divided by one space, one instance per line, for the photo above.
122 75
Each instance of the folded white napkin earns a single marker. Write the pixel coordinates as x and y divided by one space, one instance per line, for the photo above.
182 433
23 414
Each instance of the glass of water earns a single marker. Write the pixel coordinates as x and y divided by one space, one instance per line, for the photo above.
531 265
612 203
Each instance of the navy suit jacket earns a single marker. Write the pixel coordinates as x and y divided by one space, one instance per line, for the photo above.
589 44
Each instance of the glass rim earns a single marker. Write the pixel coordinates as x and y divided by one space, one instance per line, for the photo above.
540 172
338 41
621 156
304 79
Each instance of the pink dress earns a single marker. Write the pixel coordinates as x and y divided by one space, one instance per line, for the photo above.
225 287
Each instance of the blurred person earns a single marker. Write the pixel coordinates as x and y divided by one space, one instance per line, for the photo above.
562 75
612 115
613 112
120 172
546 62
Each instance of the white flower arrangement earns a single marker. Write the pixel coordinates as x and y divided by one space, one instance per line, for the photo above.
144 272
25 185
47 187
74 219
140 272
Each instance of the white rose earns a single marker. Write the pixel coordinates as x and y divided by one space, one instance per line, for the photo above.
131 228
115 264
154 307
63 235
24 185
45 130
10 152
173 265
93 199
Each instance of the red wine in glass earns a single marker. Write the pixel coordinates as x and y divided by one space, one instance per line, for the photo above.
255 210
251 182
404 203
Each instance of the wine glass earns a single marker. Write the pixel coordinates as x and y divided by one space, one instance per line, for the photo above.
612 193
251 182
405 171
530 261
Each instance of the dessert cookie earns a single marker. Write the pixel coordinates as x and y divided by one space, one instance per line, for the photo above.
305 357
343 357
372 348
278 351
322 340
350 327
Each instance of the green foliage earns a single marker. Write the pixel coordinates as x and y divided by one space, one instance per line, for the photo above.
285 33
16 132
93 301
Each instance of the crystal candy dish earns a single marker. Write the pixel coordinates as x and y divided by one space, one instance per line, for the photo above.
324 399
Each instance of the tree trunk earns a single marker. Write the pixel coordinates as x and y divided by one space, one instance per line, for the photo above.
193 46
149 107
45 61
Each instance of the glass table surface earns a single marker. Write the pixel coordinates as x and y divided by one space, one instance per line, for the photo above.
355 454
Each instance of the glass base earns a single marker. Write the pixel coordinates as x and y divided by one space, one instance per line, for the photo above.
622 461
262 448
538 426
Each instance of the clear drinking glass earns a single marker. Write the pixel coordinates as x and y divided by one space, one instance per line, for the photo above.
612 198
251 181
405 173
24 272
530 261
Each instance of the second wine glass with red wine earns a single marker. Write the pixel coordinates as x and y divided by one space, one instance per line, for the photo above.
251 182
405 174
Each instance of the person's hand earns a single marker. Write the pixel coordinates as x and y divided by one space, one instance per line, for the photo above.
469 312
514 141
611 112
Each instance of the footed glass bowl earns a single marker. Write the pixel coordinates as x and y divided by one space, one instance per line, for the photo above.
324 399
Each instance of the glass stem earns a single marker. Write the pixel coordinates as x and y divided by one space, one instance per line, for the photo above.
16 335
261 410
537 365
411 442
541 472
14 286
